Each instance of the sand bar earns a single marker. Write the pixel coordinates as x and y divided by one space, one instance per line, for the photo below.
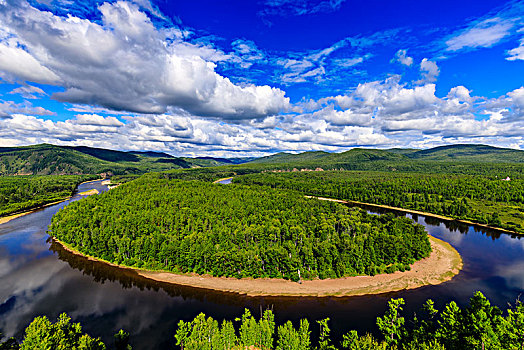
442 265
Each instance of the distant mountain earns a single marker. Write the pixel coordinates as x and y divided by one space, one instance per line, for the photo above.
320 158
470 153
452 153
151 154
46 159
105 154
284 157
214 161
363 155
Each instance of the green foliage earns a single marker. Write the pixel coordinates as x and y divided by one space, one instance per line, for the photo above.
483 199
122 340
205 333
236 231
9 344
43 334
391 324
290 338
352 341
19 193
477 326
324 341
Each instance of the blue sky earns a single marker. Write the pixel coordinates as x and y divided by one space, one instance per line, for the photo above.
232 78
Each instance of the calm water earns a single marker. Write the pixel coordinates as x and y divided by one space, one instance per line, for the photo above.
38 278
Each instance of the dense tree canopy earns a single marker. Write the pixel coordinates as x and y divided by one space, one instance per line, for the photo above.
236 230
483 199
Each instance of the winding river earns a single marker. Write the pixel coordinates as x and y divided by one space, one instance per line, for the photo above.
39 278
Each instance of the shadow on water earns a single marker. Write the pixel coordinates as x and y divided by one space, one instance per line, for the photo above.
41 278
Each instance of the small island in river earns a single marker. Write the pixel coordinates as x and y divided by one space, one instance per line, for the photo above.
252 240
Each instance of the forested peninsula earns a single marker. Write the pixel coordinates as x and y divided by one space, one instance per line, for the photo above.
22 193
238 231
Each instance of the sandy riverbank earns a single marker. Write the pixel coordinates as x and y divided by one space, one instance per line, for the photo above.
89 193
8 218
443 263
223 179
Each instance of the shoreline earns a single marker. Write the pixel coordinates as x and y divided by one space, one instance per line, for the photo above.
417 212
225 178
442 265
9 217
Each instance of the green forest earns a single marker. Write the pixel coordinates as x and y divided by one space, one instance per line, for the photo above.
482 199
236 231
19 193
479 325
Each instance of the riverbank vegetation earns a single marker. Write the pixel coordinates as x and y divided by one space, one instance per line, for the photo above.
478 325
236 231
488 200
20 193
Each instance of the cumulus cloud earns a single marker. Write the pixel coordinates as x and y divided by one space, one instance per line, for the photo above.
380 114
402 57
483 34
124 63
429 71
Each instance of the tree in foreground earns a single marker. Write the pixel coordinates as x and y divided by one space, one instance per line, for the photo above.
476 326
44 334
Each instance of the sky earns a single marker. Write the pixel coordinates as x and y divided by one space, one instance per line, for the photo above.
249 78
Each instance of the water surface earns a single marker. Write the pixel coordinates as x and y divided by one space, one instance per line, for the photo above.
40 278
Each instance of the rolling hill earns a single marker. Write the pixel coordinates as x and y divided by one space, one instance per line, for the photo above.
463 153
470 153
45 159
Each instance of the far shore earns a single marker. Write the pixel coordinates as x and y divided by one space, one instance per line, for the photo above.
416 212
7 218
442 265
223 179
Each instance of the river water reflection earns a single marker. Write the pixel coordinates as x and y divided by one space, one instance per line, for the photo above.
39 278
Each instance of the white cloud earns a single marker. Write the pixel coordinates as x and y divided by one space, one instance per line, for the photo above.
429 71
380 114
28 92
483 34
95 119
517 96
516 53
15 63
402 57
9 107
125 63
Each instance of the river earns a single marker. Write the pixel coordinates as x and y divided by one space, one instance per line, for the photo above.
40 278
